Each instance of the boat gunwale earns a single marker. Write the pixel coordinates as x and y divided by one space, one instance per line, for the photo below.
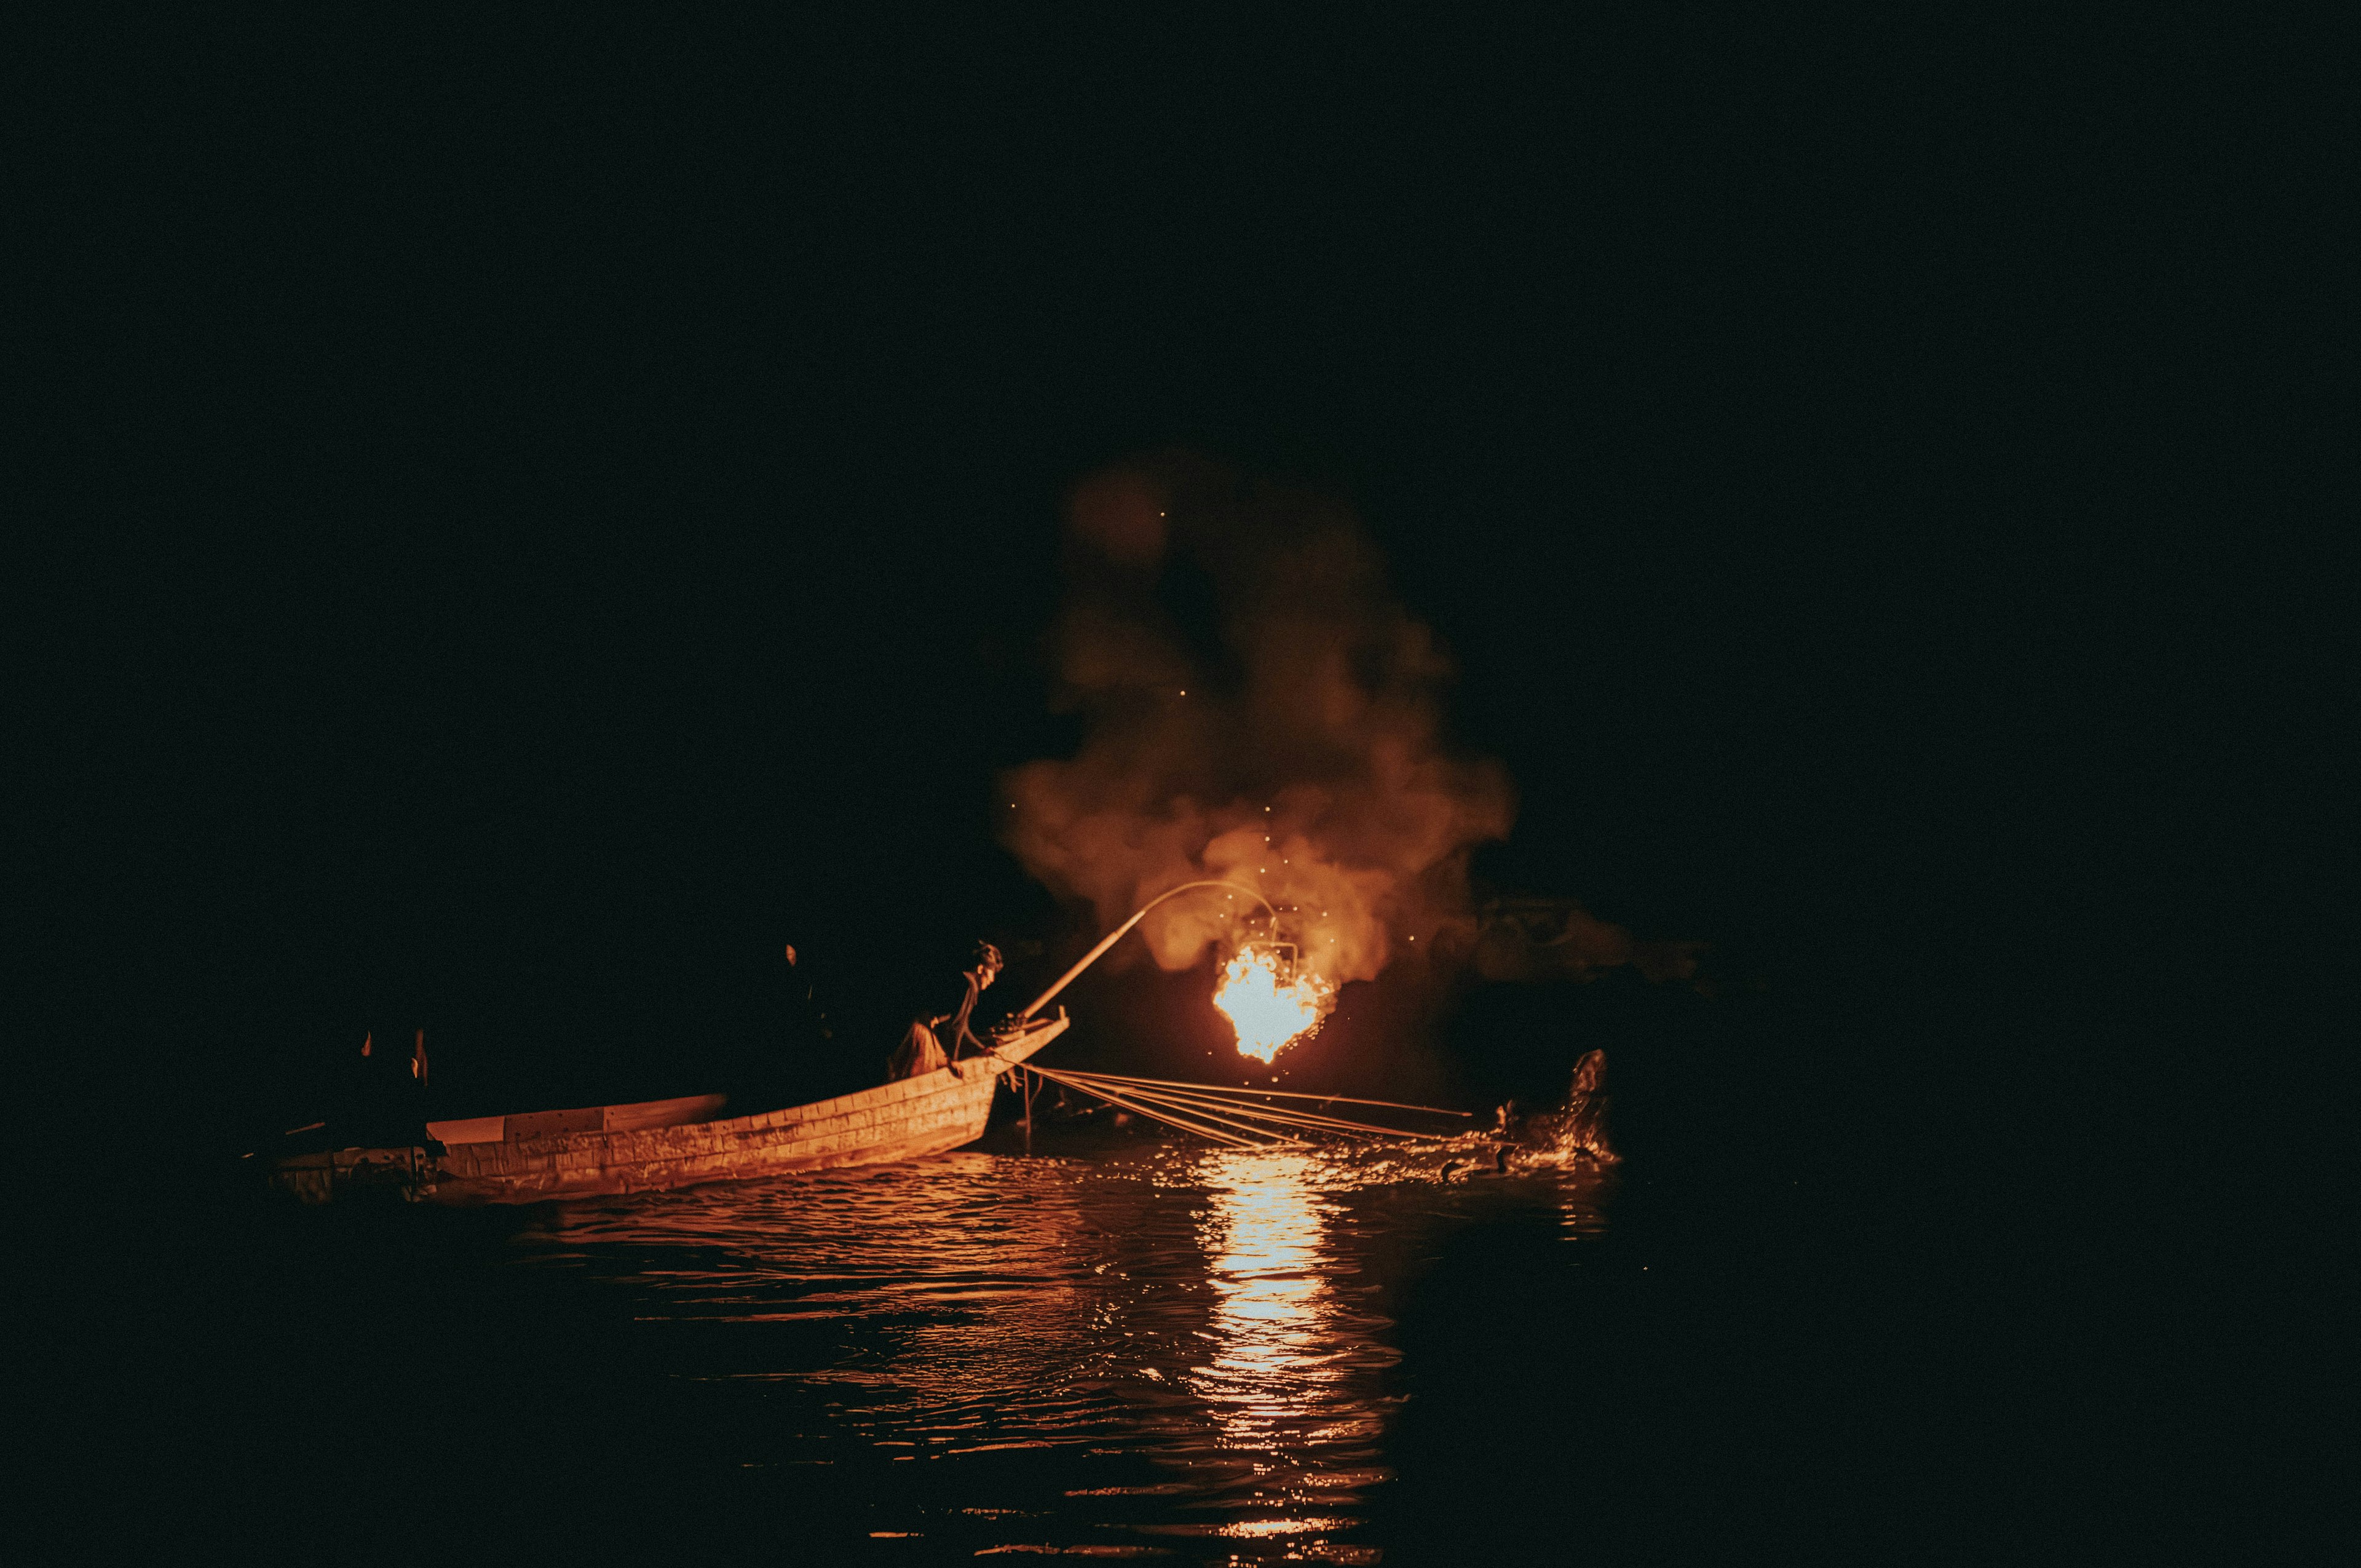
593 1162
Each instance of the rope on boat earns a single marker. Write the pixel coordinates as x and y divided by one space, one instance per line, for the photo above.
1305 1118
1278 1093
1127 1104
1205 1110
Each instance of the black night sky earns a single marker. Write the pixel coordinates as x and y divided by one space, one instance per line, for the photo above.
548 511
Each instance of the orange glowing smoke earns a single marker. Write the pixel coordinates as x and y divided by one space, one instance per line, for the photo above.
1269 1012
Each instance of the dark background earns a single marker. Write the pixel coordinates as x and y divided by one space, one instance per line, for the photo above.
531 518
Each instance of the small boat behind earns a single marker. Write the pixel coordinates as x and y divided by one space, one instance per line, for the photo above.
656 1145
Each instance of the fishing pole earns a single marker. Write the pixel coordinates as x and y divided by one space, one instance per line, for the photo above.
1112 938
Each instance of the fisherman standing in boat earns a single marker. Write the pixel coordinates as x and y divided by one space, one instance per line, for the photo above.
803 1020
385 1100
790 1056
924 1043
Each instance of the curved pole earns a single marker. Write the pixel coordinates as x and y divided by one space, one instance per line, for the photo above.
1112 938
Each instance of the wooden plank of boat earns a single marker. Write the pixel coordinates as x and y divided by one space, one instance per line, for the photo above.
551 1154
589 1119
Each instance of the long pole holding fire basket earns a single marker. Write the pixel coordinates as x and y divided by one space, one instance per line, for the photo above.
1112 938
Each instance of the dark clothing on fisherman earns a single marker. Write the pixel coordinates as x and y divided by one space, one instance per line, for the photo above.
937 1040
934 1041
385 1098
957 1039
790 1056
798 1009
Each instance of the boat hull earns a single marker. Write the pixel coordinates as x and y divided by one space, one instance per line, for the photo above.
901 1120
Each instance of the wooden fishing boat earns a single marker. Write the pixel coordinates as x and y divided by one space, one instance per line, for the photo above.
661 1144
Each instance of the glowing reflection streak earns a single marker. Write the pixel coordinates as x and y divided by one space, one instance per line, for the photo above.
1272 1375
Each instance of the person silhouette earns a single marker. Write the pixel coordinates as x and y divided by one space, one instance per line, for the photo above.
936 1041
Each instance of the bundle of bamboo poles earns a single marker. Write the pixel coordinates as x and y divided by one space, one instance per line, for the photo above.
1239 1117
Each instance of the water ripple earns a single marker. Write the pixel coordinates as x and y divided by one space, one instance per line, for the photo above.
1217 1315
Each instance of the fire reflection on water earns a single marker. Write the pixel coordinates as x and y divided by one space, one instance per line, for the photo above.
1178 1341
1274 1366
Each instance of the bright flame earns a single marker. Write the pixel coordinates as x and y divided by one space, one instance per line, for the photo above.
1267 1015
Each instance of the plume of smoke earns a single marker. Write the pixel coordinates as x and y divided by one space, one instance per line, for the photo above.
1259 708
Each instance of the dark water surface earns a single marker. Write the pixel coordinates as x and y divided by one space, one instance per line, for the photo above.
1142 1349
1169 1351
